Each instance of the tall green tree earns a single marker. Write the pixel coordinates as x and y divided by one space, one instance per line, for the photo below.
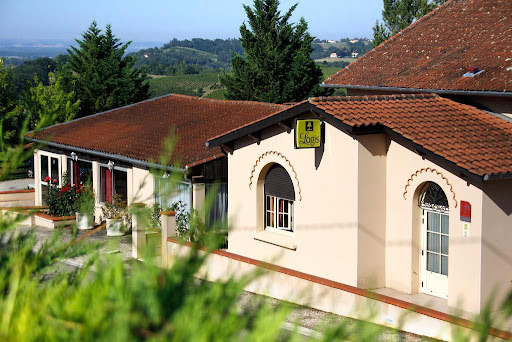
10 110
51 102
277 66
100 75
398 14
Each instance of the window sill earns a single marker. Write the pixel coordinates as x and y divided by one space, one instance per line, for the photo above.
276 239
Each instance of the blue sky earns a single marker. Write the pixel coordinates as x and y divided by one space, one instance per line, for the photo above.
161 20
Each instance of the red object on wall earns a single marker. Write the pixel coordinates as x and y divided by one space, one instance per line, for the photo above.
465 211
76 173
108 186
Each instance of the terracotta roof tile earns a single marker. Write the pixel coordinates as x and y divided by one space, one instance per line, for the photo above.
434 52
472 139
138 131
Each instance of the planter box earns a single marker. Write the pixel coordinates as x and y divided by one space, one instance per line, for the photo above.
52 222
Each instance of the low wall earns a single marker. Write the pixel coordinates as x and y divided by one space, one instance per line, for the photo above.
17 198
52 222
27 213
323 294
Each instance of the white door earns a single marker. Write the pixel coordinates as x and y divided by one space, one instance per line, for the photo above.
434 253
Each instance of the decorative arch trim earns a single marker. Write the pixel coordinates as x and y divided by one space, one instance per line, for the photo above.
279 154
434 171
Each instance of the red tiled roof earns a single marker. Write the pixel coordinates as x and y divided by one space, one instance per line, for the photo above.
434 52
138 131
474 140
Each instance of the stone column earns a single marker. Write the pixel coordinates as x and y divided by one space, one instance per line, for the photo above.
198 197
168 230
138 230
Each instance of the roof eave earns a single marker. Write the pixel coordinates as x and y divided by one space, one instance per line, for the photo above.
109 155
421 90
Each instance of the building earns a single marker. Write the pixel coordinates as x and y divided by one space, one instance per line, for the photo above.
121 150
333 55
409 193
438 52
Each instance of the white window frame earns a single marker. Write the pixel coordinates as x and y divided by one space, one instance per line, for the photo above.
98 182
50 155
42 183
286 231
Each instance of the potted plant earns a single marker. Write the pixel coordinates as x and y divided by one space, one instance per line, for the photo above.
84 206
114 214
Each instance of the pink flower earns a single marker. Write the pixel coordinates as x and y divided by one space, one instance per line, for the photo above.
47 179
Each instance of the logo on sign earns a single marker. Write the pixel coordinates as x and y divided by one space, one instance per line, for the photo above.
308 133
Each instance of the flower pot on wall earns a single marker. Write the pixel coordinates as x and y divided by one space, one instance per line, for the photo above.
84 221
115 227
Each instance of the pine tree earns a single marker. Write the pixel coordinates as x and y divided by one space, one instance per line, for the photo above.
277 66
398 14
99 73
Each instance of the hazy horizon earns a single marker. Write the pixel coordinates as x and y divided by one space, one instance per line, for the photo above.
57 20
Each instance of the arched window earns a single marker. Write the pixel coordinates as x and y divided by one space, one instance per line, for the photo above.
279 198
434 198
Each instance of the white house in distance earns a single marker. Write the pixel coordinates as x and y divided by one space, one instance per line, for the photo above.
333 55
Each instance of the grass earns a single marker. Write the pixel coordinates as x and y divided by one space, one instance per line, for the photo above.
195 84
204 84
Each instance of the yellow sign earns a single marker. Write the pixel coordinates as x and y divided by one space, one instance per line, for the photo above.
308 133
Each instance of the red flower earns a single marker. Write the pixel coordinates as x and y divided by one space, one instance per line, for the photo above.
47 179
55 181
68 185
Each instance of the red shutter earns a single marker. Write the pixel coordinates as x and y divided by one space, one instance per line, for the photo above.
108 185
76 173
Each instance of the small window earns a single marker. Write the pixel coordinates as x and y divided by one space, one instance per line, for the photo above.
279 200
44 167
113 183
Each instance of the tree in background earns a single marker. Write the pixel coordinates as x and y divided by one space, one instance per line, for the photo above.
398 14
10 111
277 66
50 101
100 75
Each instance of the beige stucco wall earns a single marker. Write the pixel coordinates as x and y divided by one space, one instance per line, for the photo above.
371 248
406 172
496 277
325 212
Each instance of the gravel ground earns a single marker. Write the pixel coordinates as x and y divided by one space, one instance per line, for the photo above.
304 316
17 184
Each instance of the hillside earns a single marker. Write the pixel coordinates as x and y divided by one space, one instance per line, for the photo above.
205 84
194 56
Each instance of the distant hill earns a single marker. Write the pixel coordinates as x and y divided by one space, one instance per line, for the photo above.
188 56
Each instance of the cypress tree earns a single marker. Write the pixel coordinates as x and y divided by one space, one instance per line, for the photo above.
99 73
276 66
398 14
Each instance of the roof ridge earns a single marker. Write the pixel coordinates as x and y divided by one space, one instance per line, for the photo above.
373 97
393 37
